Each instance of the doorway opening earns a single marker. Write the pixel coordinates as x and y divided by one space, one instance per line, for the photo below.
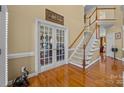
102 47
103 44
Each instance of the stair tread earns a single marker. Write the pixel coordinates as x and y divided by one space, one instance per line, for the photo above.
90 54
76 62
80 47
77 57
78 53
94 49
88 58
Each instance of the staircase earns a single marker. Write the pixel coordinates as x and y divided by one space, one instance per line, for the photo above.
77 56
86 52
92 47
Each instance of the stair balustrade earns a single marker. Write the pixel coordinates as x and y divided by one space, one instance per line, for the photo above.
91 27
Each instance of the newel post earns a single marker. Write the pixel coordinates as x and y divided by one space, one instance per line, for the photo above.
84 63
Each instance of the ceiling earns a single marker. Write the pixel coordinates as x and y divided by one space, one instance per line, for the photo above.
88 8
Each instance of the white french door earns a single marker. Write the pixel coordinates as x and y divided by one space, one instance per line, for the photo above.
51 45
3 46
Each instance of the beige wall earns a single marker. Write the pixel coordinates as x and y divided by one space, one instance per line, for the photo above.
22 27
14 66
118 42
118 28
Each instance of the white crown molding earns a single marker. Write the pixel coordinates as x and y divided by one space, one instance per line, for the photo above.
20 55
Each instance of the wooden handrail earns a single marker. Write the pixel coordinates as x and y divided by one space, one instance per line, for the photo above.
77 37
106 19
91 35
96 28
81 34
98 20
95 10
84 48
106 8
91 23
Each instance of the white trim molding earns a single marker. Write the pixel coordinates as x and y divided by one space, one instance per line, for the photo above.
119 58
76 64
20 55
54 26
87 65
3 46
32 75
122 59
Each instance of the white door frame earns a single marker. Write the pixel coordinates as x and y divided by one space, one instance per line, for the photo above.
3 46
37 21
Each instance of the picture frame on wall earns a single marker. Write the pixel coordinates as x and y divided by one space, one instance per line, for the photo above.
118 35
54 17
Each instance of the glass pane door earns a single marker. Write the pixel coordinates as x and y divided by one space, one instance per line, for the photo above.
60 45
50 46
46 45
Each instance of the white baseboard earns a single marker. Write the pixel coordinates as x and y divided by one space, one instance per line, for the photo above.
86 66
119 59
76 64
122 59
32 75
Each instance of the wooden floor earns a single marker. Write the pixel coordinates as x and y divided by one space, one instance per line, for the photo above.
105 73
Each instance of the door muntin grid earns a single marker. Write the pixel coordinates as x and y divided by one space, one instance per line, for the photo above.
60 45
46 45
52 44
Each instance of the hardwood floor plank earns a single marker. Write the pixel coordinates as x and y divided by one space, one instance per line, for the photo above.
104 73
